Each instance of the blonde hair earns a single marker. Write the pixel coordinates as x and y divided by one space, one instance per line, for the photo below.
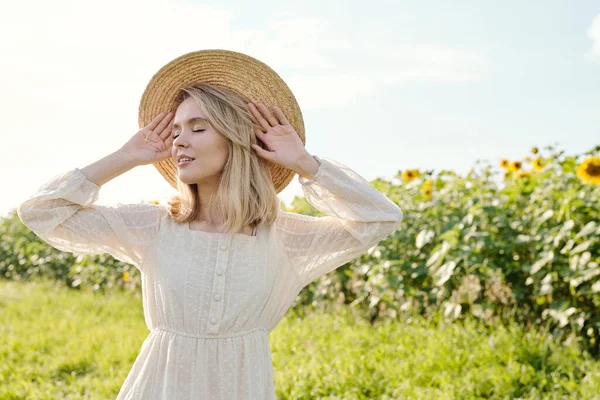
245 194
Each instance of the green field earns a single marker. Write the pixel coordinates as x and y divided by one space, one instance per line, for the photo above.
59 343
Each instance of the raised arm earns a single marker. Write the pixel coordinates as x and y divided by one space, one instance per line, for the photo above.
357 217
63 214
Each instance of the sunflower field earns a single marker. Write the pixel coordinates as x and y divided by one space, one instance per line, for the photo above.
514 241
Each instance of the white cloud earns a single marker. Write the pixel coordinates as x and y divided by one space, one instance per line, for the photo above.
377 70
594 34
334 68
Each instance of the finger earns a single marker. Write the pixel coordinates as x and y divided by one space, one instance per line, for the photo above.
260 134
262 152
280 116
163 124
167 131
252 117
169 141
259 118
255 123
155 121
268 114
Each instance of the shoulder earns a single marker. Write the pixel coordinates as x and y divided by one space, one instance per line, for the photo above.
293 222
147 215
158 211
162 213
285 216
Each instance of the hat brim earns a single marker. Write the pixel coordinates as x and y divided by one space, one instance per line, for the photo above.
250 78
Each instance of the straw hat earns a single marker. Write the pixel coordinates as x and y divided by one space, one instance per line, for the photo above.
253 80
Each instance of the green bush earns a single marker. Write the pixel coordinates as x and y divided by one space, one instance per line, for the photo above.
24 256
518 244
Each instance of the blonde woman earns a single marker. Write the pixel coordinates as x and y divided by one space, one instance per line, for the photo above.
221 263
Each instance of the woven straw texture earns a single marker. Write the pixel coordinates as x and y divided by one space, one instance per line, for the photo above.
250 78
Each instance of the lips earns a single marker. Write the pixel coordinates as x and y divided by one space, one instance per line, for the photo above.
183 163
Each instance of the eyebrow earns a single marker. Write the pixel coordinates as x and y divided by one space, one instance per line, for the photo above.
199 119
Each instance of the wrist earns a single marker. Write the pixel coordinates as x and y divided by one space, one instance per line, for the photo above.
307 166
127 159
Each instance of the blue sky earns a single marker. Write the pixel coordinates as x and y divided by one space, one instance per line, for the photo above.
383 85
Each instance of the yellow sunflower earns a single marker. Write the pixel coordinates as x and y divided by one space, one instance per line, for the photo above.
515 166
154 202
523 174
410 175
425 191
426 188
537 164
504 163
534 150
125 276
589 171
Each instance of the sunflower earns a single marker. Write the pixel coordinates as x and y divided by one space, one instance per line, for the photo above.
534 150
125 276
515 166
410 175
589 171
426 191
523 174
426 188
154 202
504 163
538 165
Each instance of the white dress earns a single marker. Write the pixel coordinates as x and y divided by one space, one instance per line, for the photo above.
211 299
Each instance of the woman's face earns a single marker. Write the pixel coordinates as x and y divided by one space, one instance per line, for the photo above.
194 137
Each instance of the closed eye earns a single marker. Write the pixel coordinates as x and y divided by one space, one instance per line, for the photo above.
199 130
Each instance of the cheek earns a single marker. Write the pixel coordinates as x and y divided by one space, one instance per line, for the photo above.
213 145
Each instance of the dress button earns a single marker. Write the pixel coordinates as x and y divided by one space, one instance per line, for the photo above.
213 320
223 247
217 297
219 272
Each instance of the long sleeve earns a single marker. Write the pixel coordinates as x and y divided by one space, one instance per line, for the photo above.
357 217
62 213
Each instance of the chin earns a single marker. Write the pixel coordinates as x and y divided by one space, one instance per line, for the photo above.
183 177
186 180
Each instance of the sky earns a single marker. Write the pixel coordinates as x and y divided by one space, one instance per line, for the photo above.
383 85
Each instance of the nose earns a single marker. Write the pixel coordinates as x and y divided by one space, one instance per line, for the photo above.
178 141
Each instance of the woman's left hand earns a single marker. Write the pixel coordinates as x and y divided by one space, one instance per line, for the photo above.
284 145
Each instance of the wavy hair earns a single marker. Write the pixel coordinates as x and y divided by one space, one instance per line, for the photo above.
245 194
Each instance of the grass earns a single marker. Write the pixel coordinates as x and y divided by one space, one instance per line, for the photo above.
67 344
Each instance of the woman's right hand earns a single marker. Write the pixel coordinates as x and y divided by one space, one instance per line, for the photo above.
153 142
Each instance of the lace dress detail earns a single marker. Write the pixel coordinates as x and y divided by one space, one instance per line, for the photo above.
211 299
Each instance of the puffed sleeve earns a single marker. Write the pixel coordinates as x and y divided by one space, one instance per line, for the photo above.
357 217
62 213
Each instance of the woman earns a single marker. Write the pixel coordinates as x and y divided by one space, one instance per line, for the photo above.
222 263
